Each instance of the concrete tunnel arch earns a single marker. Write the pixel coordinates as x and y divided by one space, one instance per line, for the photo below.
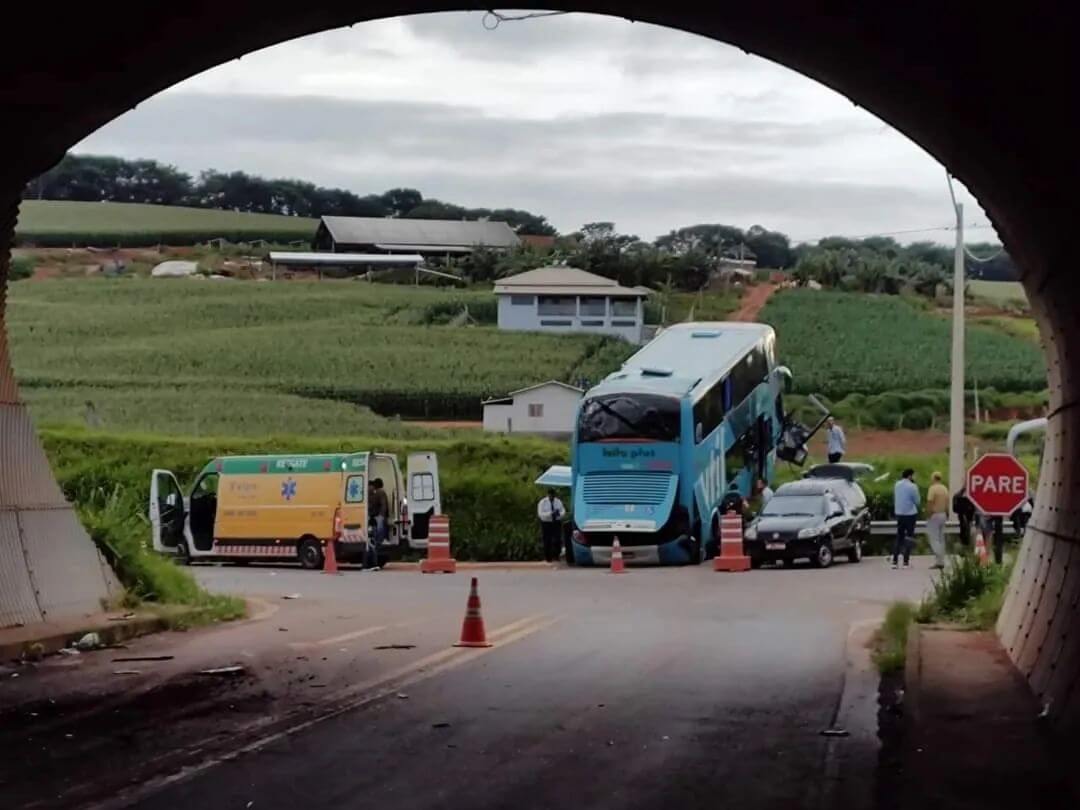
979 92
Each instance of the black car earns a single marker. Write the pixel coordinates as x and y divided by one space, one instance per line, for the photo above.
815 519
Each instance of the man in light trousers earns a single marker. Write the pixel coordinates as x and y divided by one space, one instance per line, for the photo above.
937 511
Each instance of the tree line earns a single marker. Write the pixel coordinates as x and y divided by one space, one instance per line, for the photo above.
684 258
102 178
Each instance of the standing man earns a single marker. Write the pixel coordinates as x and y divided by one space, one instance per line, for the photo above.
906 509
965 513
379 509
837 441
937 510
764 493
550 511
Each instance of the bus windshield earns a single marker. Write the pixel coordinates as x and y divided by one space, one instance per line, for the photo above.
629 417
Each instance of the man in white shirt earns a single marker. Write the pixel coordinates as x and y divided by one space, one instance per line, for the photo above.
836 441
550 511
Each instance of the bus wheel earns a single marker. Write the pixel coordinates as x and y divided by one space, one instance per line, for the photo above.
310 554
695 551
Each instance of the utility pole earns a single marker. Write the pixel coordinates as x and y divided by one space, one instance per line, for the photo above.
956 409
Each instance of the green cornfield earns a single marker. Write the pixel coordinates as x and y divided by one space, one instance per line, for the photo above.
60 223
282 349
841 343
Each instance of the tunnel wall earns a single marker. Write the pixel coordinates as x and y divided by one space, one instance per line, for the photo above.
49 566
1039 623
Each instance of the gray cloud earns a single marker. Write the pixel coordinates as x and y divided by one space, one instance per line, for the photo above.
649 172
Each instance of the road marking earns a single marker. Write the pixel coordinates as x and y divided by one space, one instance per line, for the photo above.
354 698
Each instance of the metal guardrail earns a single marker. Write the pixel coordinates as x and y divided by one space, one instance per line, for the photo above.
884 527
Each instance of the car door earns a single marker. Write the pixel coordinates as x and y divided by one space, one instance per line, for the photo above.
424 495
168 515
839 521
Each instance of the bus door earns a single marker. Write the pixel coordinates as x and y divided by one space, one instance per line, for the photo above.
424 495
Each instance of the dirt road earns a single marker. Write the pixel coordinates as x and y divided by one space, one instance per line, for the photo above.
752 302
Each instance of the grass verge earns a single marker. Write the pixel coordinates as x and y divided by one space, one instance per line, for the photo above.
890 642
151 581
966 593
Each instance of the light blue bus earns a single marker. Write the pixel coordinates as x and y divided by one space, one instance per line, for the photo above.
693 417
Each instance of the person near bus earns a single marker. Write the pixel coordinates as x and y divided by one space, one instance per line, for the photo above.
763 494
836 441
379 511
937 511
906 509
964 510
1021 515
550 510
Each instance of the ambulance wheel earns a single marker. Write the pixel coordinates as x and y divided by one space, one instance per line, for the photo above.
310 554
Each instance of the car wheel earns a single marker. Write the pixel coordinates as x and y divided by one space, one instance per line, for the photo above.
310 554
855 552
823 557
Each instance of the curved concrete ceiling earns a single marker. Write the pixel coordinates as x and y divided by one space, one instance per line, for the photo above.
988 93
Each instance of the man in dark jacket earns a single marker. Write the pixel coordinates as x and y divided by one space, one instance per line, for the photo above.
379 512
964 510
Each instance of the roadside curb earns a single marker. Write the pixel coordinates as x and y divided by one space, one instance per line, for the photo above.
912 673
34 641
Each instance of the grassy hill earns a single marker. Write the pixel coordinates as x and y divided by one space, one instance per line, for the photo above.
50 223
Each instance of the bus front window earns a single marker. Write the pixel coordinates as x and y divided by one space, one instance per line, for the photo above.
629 417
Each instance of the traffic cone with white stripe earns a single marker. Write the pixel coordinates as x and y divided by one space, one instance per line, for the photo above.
617 564
473 633
731 556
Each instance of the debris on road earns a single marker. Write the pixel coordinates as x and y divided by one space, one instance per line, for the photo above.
835 732
441 724
91 641
127 672
402 696
283 629
67 651
134 658
224 671
291 596
123 618
396 647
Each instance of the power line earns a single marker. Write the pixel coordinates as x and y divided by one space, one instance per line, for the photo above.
492 18
886 233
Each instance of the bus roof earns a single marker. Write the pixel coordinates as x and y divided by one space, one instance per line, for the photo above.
278 464
681 355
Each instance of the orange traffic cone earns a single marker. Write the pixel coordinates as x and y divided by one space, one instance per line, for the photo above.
980 549
472 629
330 558
731 556
617 564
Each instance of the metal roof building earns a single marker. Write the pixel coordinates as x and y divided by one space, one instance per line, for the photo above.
431 236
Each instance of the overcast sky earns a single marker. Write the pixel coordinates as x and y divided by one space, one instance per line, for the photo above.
578 117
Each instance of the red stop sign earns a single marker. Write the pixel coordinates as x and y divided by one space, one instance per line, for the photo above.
997 484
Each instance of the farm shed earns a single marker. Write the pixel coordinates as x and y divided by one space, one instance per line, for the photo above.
566 299
548 408
428 237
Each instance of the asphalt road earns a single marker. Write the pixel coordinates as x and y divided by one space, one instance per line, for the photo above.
663 687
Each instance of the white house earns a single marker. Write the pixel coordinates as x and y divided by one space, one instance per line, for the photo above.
565 299
548 407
